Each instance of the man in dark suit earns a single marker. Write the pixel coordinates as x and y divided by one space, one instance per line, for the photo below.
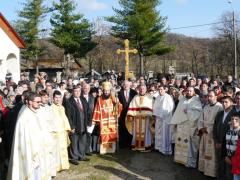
220 127
237 101
125 96
77 111
90 101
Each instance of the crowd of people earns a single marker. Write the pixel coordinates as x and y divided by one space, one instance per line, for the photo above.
45 124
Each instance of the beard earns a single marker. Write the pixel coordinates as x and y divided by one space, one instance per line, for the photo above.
188 96
142 94
106 96
212 102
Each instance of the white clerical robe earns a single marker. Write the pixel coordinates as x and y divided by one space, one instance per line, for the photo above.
61 137
162 109
48 125
207 159
138 120
28 158
187 140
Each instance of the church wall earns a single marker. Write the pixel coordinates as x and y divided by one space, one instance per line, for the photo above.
9 50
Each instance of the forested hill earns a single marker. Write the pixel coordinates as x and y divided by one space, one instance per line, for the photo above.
198 55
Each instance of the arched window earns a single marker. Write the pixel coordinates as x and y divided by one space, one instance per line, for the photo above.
12 63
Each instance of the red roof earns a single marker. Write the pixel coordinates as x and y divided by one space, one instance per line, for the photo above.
12 34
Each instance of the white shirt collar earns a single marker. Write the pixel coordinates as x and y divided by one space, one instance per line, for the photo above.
224 116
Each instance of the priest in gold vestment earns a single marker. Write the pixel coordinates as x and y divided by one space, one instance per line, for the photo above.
139 117
106 114
61 136
207 159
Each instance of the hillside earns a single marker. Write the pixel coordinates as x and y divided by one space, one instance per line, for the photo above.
198 55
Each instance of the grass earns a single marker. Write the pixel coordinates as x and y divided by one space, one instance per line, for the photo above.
95 169
128 164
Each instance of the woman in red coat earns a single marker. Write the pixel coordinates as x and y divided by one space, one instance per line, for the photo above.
3 108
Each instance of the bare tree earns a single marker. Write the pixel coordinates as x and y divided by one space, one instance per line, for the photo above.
225 34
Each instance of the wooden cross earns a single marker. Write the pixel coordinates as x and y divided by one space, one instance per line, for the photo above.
127 51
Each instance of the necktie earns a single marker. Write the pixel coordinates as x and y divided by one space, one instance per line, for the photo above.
79 104
86 97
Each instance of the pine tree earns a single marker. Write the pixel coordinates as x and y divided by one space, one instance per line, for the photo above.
27 26
141 23
71 31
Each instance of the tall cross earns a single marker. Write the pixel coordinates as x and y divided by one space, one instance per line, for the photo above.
127 51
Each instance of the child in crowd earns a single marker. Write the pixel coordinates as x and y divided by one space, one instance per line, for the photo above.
232 148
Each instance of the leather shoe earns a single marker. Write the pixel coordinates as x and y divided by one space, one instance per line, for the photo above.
74 162
85 159
89 154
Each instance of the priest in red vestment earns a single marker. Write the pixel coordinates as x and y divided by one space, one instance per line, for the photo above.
106 113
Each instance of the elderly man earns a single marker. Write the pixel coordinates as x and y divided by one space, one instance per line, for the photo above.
125 97
186 116
230 82
90 101
139 118
106 114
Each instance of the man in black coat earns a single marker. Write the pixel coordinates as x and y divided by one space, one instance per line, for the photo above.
77 111
125 96
220 127
10 123
90 101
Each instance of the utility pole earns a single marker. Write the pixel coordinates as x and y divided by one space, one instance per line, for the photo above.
235 49
36 59
235 43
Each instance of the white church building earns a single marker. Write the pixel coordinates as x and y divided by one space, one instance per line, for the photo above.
10 45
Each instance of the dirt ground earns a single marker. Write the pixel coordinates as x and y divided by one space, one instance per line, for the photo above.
128 164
